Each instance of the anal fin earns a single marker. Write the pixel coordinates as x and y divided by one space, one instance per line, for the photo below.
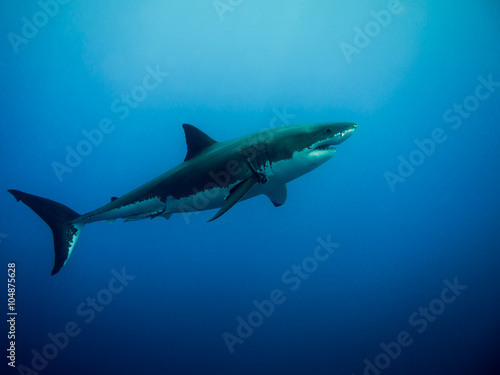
235 196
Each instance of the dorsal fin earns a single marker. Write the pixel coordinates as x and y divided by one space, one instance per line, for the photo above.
113 199
196 141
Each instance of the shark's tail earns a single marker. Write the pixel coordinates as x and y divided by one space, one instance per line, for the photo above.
62 221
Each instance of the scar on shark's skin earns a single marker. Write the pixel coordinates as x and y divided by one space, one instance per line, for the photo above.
213 175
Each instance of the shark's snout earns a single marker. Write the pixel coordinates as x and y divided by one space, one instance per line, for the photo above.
348 132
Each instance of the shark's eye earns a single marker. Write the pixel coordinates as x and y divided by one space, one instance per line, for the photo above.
328 131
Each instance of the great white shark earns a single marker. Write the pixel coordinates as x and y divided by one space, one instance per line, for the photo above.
213 175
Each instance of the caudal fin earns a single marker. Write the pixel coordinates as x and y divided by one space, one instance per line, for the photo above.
60 219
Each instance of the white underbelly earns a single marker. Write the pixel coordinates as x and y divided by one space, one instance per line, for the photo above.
201 200
134 211
198 201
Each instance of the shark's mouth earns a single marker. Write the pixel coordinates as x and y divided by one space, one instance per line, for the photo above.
330 143
325 147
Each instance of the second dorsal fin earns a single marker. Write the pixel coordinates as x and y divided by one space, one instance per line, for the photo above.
196 141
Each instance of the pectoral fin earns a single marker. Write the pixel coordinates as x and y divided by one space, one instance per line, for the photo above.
277 194
235 195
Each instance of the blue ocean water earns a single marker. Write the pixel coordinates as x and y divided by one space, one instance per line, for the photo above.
385 260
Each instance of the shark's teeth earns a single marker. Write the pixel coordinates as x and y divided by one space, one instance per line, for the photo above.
325 147
348 131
